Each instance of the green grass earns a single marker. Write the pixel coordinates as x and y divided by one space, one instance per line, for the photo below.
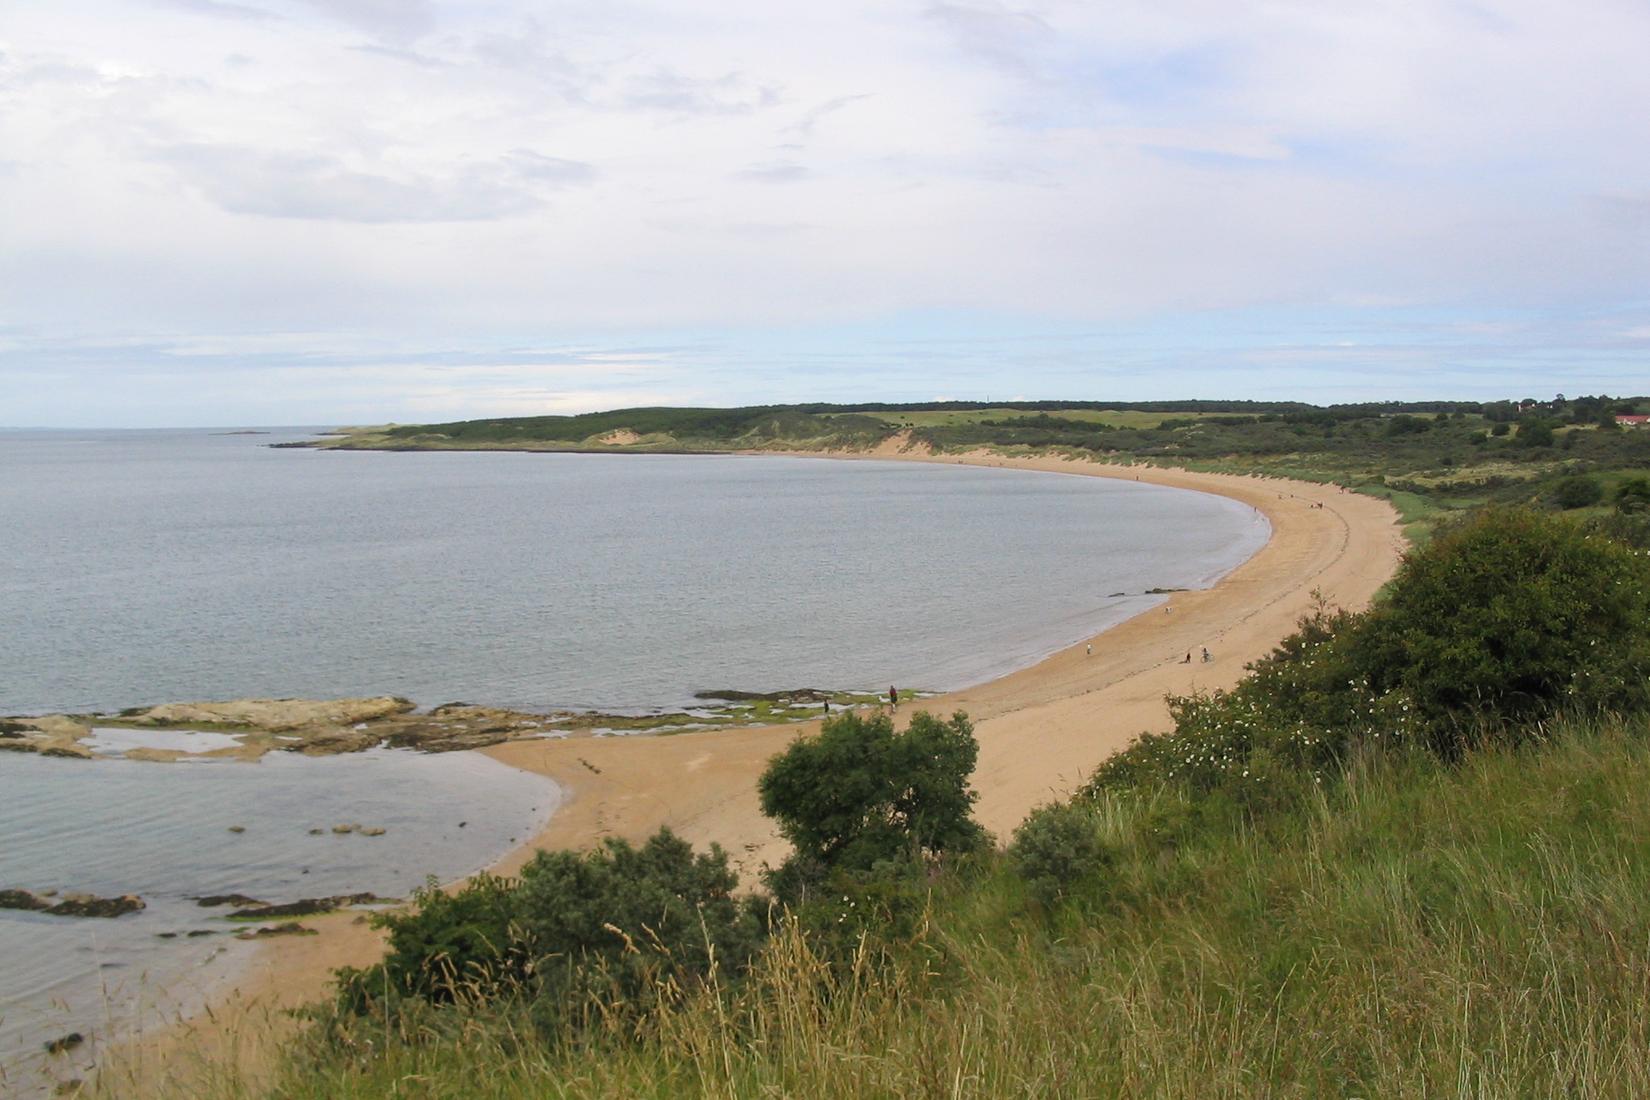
1418 930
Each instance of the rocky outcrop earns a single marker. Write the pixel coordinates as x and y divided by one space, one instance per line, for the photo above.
276 930
212 900
71 905
275 714
306 907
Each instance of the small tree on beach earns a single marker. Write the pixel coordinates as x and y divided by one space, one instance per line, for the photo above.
860 793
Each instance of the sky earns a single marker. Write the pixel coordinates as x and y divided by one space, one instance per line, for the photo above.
254 212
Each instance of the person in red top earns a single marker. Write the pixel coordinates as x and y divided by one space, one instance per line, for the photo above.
893 697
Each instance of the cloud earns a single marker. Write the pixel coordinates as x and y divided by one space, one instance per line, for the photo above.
397 20
728 94
1013 41
321 188
223 9
777 172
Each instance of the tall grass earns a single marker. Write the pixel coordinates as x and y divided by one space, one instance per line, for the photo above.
1414 929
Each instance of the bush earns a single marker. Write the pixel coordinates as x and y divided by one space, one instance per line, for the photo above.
611 929
1055 848
1505 619
1633 495
859 794
1578 492
621 926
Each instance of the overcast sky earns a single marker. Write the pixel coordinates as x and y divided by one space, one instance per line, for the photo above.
222 212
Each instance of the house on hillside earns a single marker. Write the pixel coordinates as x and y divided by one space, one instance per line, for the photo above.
1632 420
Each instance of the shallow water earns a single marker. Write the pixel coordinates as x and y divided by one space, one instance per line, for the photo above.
162 831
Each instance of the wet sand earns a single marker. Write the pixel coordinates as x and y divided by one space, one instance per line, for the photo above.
1042 731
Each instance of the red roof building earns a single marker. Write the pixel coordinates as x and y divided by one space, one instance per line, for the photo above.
1632 420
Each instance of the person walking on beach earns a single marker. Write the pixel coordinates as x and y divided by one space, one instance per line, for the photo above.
1090 649
893 698
1206 656
1188 659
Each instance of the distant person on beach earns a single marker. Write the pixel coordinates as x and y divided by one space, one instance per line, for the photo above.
1090 649
893 697
1188 659
1206 656
827 706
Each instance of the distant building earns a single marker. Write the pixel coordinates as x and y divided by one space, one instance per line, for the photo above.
1632 420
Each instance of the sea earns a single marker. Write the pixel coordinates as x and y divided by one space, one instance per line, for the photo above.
143 567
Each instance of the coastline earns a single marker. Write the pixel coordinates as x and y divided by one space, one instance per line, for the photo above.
1075 709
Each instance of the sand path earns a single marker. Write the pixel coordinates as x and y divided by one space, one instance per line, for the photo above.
1042 731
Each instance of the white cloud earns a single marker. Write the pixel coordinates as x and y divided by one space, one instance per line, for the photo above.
462 176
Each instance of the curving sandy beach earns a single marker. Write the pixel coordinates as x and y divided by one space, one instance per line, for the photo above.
1042 730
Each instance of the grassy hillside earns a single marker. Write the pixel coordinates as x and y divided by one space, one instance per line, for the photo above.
1409 855
1420 929
1429 458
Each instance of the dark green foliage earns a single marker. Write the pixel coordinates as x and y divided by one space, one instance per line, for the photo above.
1633 495
1508 617
1535 432
859 794
1578 491
623 925
616 926
1498 624
448 947
1056 847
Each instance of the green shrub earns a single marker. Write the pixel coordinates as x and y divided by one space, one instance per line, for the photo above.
621 925
1578 492
860 794
1057 847
1633 495
610 930
1506 618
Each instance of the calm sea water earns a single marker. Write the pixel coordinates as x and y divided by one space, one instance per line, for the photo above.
147 567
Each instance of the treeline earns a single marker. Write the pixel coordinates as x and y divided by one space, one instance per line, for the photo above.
1406 855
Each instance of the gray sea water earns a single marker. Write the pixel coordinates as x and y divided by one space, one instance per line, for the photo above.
148 567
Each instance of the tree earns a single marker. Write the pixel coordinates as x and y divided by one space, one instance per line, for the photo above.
859 793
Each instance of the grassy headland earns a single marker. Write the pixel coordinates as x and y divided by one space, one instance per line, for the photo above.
1428 458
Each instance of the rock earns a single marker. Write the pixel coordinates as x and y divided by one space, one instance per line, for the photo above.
306 907
211 900
237 828
279 714
317 832
71 905
71 752
71 1087
86 905
277 930
166 935
64 1043
23 899
195 933
373 830
342 829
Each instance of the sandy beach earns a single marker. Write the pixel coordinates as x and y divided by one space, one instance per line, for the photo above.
1042 731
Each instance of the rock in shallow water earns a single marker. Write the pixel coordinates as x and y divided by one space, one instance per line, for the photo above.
72 905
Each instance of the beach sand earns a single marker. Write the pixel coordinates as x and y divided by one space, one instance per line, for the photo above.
1041 730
